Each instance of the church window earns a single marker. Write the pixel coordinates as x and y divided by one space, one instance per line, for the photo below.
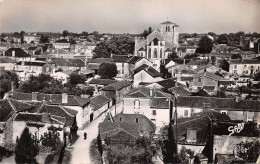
149 53
169 29
161 53
155 42
155 53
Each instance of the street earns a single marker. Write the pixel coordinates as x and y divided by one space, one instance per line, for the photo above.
79 152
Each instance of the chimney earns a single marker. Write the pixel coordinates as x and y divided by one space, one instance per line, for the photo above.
34 96
64 98
13 53
184 61
191 136
151 91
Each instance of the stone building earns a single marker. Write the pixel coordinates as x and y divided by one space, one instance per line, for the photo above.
157 46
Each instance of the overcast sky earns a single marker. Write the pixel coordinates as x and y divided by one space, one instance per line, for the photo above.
129 16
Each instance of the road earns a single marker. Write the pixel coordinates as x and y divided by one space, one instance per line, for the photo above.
79 152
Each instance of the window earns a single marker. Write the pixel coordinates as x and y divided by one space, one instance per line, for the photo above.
136 120
235 71
235 66
120 119
224 112
161 54
154 112
155 53
186 113
136 104
149 53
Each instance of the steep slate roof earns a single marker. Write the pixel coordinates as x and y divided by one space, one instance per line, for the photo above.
60 111
200 123
102 81
153 72
143 124
18 52
116 86
167 83
9 106
28 63
52 99
98 101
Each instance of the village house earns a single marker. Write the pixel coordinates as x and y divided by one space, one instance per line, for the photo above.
76 103
152 103
158 44
193 133
31 38
61 44
62 76
182 51
206 80
8 109
68 64
7 63
244 66
125 128
146 74
18 54
35 50
26 69
117 90
62 53
38 125
98 105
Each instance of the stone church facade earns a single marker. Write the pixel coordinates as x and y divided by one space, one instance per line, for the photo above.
159 44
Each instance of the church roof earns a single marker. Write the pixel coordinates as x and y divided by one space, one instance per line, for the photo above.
167 22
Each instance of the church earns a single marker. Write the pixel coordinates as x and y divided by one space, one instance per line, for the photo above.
159 44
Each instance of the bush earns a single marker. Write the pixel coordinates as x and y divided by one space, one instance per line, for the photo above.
49 159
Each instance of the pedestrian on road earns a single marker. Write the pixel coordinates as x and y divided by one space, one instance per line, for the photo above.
85 135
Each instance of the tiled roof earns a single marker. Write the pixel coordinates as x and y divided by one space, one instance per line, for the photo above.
139 93
102 81
100 60
120 58
208 74
18 52
244 61
184 78
28 63
111 129
199 123
160 103
180 91
56 110
33 117
226 82
134 59
52 98
93 66
142 67
117 86
62 41
99 101
201 92
9 106
198 102
68 62
151 71
6 60
143 124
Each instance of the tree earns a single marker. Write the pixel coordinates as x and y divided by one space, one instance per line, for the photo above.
224 65
257 77
44 39
222 39
65 33
76 79
205 45
212 34
249 151
84 33
107 70
213 60
26 149
6 80
147 32
120 45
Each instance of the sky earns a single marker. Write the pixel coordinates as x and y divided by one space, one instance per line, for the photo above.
129 16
